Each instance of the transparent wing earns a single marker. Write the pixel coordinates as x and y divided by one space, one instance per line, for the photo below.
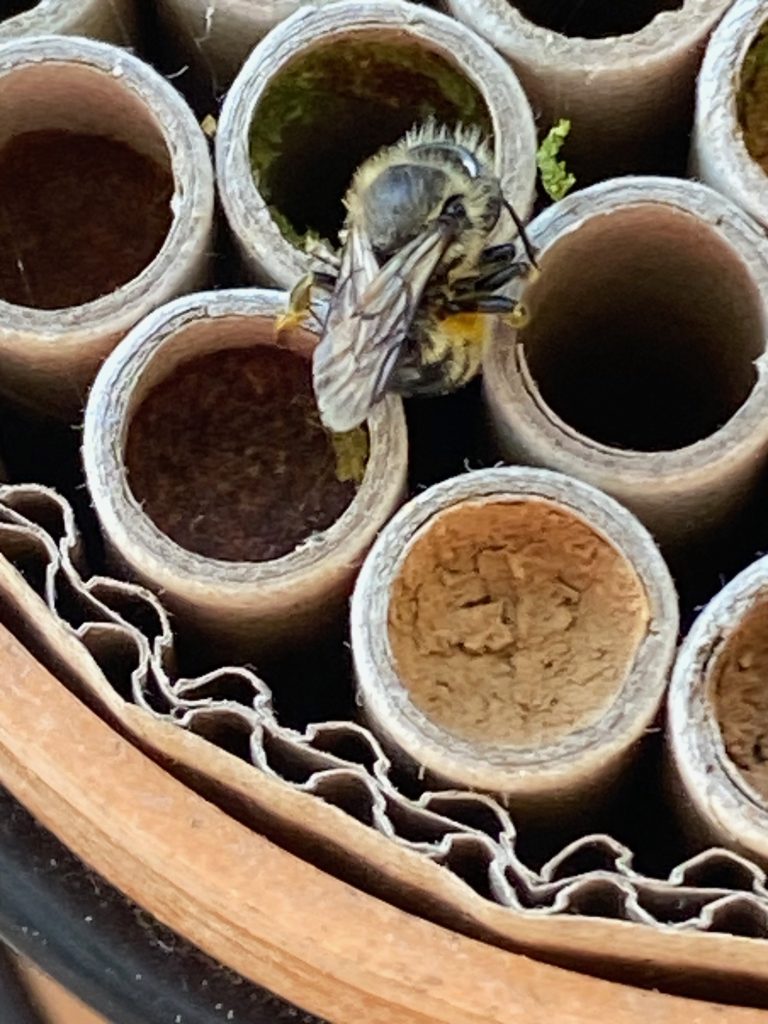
369 315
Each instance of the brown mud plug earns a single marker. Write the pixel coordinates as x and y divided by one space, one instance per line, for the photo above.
512 631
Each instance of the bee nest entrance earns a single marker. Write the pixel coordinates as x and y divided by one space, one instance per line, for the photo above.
739 695
514 622
14 7
644 329
334 106
85 194
228 457
594 19
752 99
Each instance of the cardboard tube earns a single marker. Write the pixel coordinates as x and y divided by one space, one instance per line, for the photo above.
412 36
246 606
622 73
717 715
719 154
512 632
49 356
111 20
642 368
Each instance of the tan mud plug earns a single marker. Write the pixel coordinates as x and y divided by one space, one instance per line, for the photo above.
215 482
111 20
328 88
730 138
512 632
623 73
641 368
106 190
718 718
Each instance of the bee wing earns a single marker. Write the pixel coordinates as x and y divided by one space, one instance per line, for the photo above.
369 316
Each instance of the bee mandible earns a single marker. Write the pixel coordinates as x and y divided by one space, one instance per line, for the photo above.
415 286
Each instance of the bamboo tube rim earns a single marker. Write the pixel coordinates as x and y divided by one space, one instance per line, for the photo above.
268 253
546 770
192 203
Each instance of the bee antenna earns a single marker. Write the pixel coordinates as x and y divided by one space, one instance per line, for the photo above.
529 250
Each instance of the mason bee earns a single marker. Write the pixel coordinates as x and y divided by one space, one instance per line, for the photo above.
414 288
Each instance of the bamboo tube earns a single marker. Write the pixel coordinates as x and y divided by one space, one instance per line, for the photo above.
716 718
110 20
641 370
512 632
245 597
721 147
327 88
75 278
623 73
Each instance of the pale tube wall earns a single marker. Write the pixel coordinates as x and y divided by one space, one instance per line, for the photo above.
626 95
111 20
556 777
48 358
690 265
719 155
268 256
714 798
246 607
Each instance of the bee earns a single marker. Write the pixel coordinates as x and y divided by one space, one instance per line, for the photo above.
415 286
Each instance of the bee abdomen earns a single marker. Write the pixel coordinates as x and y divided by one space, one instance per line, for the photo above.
442 355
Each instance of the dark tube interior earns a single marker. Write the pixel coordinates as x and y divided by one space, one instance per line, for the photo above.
594 19
11 7
332 108
644 329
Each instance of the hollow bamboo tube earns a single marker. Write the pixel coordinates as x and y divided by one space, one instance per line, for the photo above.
111 20
49 356
416 34
246 606
623 77
474 621
716 718
719 155
642 368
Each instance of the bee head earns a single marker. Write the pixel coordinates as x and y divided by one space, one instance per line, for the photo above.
400 192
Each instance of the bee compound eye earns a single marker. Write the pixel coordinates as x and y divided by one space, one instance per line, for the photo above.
454 208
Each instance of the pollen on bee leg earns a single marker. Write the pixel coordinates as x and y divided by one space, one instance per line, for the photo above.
299 306
517 318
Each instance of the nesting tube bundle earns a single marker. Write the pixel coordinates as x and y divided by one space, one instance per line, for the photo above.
642 368
512 632
329 87
106 190
622 73
729 146
214 481
111 20
718 700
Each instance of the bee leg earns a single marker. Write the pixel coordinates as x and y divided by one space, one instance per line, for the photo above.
510 311
300 300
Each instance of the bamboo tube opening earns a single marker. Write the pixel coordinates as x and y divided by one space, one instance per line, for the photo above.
106 196
512 630
85 186
640 370
670 357
738 690
214 482
329 87
594 19
514 622
332 107
226 454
